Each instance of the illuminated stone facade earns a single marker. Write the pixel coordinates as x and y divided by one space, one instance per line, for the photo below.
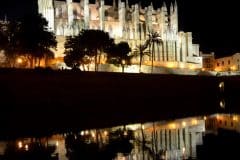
230 63
208 61
125 23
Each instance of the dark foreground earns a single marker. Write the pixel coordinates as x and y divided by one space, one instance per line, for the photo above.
44 101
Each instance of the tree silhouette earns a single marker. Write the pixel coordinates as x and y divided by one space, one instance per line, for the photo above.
35 39
154 39
9 41
119 54
84 147
91 43
36 151
27 37
140 51
74 52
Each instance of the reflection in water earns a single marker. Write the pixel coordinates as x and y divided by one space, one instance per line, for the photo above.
169 140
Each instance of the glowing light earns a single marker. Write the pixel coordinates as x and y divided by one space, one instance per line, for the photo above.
191 67
82 133
143 127
20 145
26 147
235 118
57 143
170 65
221 85
222 104
233 68
105 133
93 134
205 118
123 62
194 122
172 126
19 60
181 66
125 133
184 124
86 132
183 150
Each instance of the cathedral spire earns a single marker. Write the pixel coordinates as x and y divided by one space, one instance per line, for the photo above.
102 15
175 6
86 14
119 3
69 1
171 9
127 5
114 4
164 5
151 4
5 18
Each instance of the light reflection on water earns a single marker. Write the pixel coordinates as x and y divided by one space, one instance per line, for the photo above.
171 140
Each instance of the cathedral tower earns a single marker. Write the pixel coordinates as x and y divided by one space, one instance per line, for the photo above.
86 14
70 12
45 7
102 15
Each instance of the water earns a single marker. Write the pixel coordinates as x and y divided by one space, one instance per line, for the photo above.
170 140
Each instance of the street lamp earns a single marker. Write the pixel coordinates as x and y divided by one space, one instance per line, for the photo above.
19 61
123 64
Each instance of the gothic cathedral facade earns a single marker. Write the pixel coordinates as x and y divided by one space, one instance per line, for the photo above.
124 23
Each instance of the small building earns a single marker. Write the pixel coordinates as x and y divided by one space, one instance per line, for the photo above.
208 61
230 63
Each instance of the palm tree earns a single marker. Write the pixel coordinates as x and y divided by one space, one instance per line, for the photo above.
141 48
154 38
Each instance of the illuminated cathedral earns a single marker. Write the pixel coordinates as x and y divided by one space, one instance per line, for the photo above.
124 23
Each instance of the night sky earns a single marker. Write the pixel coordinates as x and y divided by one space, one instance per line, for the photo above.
214 23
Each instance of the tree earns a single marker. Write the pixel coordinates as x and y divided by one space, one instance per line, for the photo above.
35 39
28 37
9 37
91 43
86 147
141 48
74 52
96 42
119 54
3 37
154 39
36 151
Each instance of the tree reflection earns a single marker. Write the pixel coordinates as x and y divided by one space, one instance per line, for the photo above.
88 148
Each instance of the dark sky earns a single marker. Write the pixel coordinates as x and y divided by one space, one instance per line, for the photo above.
214 23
